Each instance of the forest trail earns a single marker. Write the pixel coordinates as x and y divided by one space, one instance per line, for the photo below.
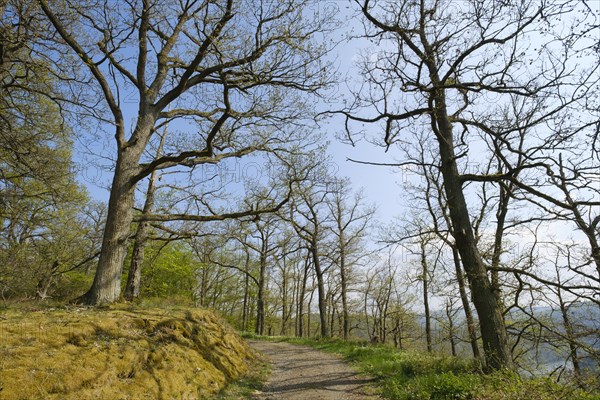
303 373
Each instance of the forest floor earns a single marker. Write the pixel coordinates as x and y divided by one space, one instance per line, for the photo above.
300 373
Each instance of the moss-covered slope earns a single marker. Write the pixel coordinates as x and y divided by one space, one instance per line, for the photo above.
117 354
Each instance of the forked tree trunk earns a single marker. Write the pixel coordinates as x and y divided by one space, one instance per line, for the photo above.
46 281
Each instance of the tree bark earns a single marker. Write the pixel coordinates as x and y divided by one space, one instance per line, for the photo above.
134 278
320 290
498 235
344 287
450 329
45 282
425 278
260 297
465 303
301 297
493 331
106 287
284 302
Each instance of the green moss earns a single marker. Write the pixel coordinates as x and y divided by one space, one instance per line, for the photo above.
117 353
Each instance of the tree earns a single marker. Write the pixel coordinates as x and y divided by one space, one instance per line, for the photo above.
44 232
350 227
228 68
260 238
288 260
437 62
134 277
422 181
381 303
309 221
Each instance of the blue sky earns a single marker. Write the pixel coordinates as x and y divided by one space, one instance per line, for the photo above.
95 150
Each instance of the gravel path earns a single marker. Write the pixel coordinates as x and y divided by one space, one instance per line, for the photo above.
302 373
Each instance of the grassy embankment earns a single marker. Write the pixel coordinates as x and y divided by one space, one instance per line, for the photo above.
412 376
117 353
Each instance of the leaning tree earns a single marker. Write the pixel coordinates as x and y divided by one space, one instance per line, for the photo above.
453 69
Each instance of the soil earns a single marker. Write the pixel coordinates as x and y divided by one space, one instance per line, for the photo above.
303 373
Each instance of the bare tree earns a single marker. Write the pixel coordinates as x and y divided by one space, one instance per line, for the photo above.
261 238
227 67
437 62
351 222
309 221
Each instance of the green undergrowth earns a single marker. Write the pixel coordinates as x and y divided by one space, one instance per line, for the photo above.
117 352
405 375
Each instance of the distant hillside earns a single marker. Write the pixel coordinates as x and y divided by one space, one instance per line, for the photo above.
585 317
117 354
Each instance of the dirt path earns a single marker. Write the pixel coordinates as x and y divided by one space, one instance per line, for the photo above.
302 373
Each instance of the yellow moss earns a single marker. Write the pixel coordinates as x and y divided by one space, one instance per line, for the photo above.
119 353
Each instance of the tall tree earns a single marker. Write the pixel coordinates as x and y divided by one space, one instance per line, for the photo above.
309 221
437 66
260 238
351 222
230 68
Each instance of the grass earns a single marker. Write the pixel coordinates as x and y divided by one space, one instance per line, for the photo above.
405 375
120 352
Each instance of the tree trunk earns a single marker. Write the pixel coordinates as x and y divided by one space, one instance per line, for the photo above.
301 297
321 291
246 294
569 331
366 308
344 288
106 287
450 329
493 331
284 300
498 235
465 303
386 305
425 277
134 279
45 282
308 319
332 309
260 297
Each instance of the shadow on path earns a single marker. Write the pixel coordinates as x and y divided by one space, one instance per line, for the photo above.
303 373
